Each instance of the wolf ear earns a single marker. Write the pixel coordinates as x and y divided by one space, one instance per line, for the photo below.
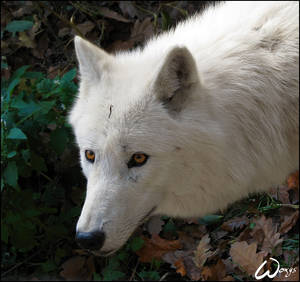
176 79
92 60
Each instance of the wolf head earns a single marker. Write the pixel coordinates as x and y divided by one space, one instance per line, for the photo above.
135 119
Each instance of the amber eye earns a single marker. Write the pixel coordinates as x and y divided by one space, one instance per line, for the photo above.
137 159
90 156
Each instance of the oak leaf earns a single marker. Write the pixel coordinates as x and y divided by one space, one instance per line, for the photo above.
203 251
78 268
271 237
215 272
289 222
180 268
156 247
246 257
293 180
235 223
192 271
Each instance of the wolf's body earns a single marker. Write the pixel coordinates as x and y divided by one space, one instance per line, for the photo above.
214 103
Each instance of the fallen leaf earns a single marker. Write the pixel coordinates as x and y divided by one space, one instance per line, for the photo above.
280 193
26 40
192 271
271 237
289 222
180 267
206 273
105 12
64 31
127 8
203 251
187 241
235 223
293 180
245 235
78 268
86 27
142 30
218 270
246 257
156 247
214 272
228 278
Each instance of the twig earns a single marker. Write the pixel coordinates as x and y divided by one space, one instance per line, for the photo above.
70 24
20 263
134 271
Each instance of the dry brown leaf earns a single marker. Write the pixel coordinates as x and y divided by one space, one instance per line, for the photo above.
280 193
105 12
235 223
78 268
192 271
206 273
215 272
26 40
128 8
180 268
228 278
219 270
156 247
142 30
246 257
289 222
271 237
86 27
203 251
293 180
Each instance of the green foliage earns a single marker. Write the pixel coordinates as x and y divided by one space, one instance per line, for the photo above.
35 141
17 26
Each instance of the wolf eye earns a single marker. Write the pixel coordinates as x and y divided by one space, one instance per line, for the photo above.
137 159
90 155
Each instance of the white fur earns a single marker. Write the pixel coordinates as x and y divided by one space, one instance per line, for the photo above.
235 132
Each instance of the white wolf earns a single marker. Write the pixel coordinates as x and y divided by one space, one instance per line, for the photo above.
200 117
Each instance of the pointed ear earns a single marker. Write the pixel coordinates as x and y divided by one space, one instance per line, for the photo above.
92 60
176 79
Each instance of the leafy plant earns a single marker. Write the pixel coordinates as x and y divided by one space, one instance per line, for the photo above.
34 138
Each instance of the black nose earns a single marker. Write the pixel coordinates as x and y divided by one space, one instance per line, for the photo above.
90 240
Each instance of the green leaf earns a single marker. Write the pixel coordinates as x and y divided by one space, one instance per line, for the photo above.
37 162
12 86
11 154
48 266
4 65
59 140
16 133
20 72
33 75
69 76
149 275
45 86
17 26
112 275
136 243
26 155
11 174
210 219
24 108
